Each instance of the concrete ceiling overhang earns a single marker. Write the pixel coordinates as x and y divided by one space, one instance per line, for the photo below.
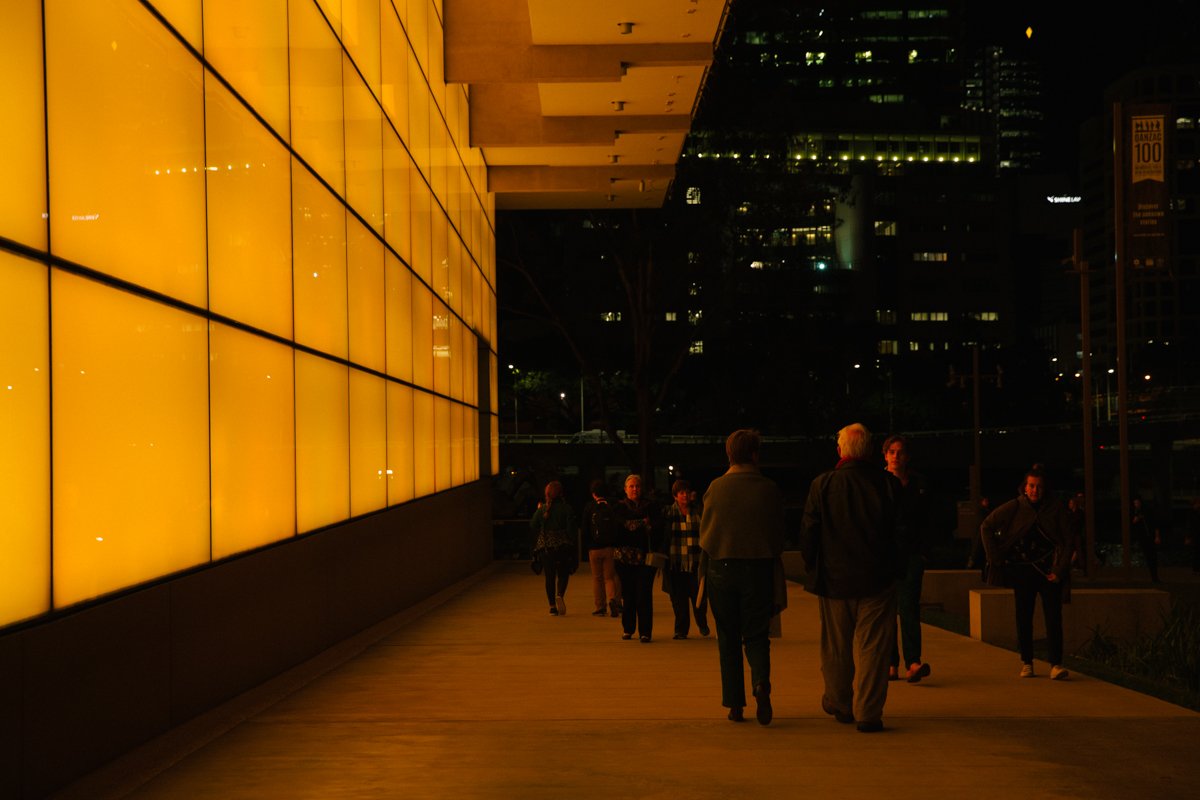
581 103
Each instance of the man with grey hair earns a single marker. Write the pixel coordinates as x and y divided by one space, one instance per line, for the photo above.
850 540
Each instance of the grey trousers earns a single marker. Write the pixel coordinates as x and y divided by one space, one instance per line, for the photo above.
857 637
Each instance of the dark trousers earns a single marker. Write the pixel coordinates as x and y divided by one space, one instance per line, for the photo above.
740 593
683 588
908 605
556 568
1150 551
637 598
1028 584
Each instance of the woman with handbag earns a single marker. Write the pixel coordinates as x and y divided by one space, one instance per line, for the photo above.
554 547
1027 543
634 554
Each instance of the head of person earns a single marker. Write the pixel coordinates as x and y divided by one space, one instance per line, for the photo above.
854 441
633 487
596 487
554 490
1034 487
895 453
681 490
742 447
1137 504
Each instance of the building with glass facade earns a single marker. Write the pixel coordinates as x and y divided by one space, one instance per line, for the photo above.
247 370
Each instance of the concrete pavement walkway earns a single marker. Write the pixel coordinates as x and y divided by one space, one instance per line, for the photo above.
480 693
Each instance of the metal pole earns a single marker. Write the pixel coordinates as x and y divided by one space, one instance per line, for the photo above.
977 470
1122 363
1085 334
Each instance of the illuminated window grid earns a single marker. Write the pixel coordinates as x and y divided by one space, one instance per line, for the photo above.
228 274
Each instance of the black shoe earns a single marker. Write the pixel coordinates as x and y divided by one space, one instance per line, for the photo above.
614 608
915 675
626 635
645 638
679 636
871 726
762 695
840 716
704 631
735 714
600 612
553 611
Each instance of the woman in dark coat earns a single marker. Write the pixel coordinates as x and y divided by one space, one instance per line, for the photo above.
554 545
1027 543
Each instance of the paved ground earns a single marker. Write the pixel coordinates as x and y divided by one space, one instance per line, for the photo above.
481 694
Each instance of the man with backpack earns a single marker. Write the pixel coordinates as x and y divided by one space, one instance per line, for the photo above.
601 525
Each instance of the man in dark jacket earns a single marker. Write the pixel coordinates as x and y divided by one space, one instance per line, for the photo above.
850 542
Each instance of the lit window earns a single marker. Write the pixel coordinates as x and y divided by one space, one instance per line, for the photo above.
984 316
919 316
929 256
611 316
696 347
885 227
912 56
889 347
693 196
814 58
671 316
693 290
862 56
914 347
939 316
756 265
694 317
885 317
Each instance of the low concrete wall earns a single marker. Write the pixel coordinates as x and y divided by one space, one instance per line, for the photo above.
83 688
1122 613
950 589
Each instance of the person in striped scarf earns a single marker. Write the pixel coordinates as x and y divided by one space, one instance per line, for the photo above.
680 578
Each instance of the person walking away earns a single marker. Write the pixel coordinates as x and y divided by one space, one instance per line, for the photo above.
1027 546
1148 537
553 526
637 538
915 508
850 541
741 536
601 527
681 576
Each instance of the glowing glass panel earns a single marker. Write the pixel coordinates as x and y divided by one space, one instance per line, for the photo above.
23 145
397 195
442 349
316 98
368 443
184 16
458 446
127 147
398 318
249 217
364 150
360 34
319 231
399 443
367 297
130 447
247 43
394 66
442 444
253 441
322 442
24 440
422 333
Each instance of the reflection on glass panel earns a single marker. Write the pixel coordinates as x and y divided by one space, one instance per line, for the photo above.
399 319
316 99
22 136
422 333
322 442
457 359
423 438
247 43
360 35
253 441
130 446
454 272
399 443
417 26
397 204
364 150
127 145
418 114
495 444
249 217
394 65
332 9
368 443
440 259
469 277
442 351
367 297
442 444
24 440
319 228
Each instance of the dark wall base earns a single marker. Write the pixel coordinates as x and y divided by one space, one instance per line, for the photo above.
78 691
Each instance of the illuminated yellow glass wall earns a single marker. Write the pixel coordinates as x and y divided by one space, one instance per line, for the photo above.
246 262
